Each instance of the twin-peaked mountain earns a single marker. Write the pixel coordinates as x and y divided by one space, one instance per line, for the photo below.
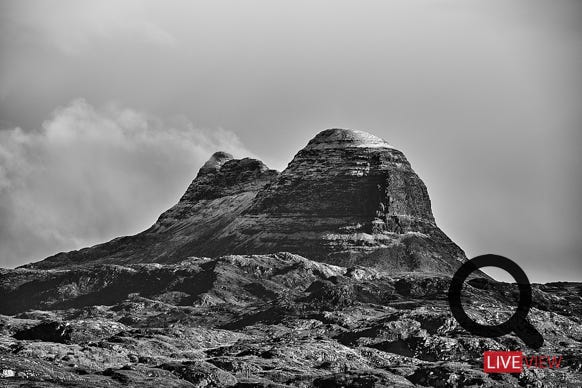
347 198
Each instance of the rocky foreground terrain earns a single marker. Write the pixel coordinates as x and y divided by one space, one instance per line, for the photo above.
266 321
331 273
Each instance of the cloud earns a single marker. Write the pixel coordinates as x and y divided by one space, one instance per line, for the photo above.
72 25
88 175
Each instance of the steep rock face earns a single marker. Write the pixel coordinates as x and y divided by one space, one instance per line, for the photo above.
347 198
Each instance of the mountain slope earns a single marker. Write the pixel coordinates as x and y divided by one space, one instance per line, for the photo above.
222 190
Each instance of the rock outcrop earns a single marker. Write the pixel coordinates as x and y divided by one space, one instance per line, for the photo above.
347 198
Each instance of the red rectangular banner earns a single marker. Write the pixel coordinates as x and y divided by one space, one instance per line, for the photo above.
502 362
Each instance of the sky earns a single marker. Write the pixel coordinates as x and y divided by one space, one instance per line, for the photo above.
108 109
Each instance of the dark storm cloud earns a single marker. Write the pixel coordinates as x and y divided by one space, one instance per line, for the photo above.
483 96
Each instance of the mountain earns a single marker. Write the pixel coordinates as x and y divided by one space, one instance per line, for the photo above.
347 198
207 297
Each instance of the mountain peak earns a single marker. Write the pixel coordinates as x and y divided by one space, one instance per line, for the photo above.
215 162
222 175
345 138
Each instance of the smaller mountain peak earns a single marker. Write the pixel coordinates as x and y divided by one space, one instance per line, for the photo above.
216 161
223 175
346 138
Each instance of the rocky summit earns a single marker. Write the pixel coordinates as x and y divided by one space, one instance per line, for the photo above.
332 273
347 198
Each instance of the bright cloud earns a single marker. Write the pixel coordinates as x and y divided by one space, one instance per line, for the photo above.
91 174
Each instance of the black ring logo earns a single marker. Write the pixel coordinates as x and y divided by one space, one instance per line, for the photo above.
517 323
